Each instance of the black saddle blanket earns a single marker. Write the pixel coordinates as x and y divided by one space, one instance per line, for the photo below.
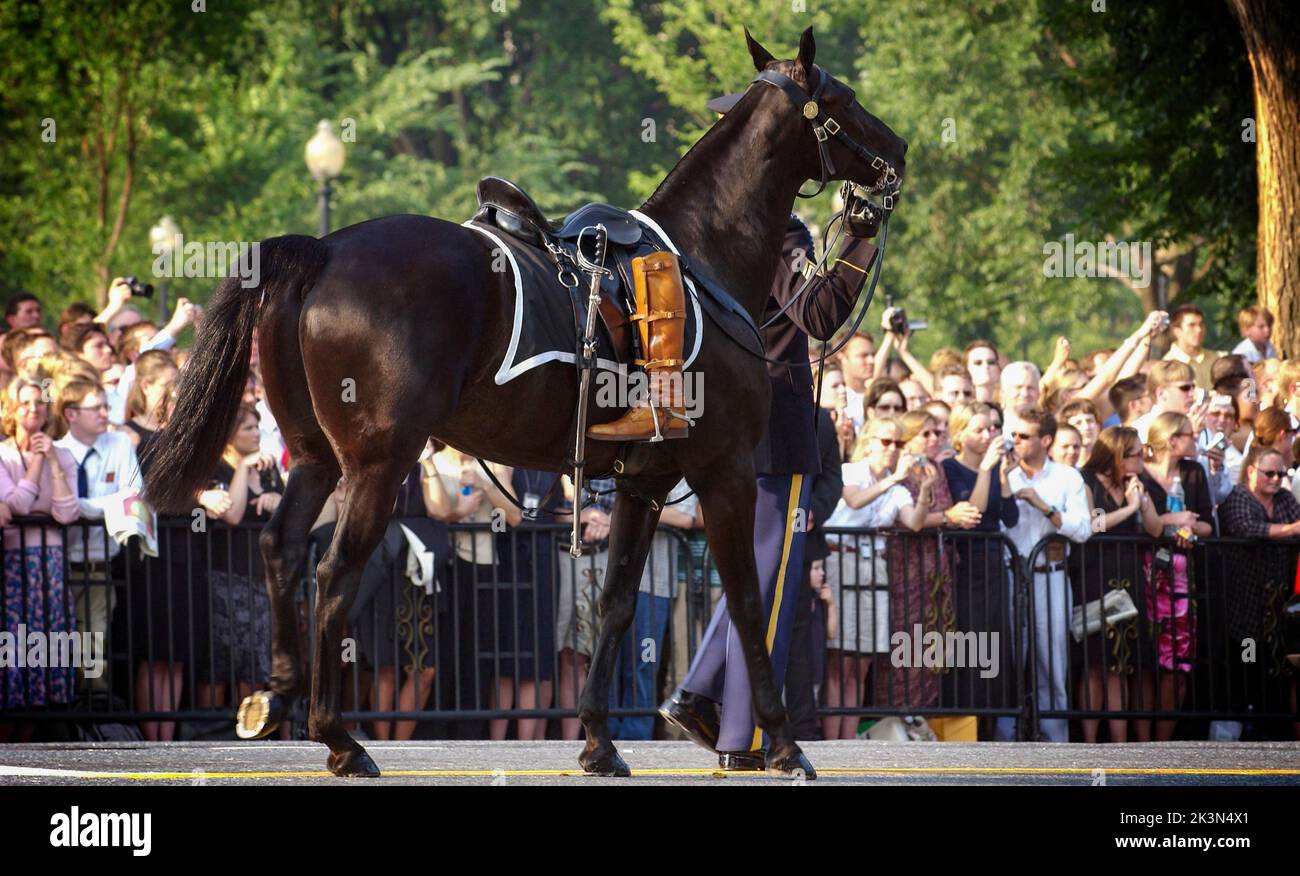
547 315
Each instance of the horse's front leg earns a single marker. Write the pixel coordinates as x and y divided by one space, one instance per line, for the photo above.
631 530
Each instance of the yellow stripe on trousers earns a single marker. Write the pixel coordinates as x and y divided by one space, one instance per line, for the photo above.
796 487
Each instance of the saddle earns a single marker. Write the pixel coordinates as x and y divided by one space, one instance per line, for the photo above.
506 206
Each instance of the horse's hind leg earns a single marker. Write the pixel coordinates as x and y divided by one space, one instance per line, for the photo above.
362 521
728 494
631 530
284 539
284 549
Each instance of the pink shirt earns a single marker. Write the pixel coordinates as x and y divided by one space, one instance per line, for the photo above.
27 497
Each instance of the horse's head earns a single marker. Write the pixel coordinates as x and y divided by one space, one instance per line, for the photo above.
845 142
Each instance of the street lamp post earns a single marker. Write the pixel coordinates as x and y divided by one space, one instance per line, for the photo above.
324 156
163 239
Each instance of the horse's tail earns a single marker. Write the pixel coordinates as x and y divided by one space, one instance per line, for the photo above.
181 460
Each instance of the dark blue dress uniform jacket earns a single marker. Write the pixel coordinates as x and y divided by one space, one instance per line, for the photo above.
790 445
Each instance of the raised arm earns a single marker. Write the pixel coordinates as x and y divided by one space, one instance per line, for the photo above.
919 371
1114 368
881 363
1059 358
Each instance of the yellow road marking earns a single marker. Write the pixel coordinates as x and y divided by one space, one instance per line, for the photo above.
672 771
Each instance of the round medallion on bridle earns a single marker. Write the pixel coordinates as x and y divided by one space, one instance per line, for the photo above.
810 110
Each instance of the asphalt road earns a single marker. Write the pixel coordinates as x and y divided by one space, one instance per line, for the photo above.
676 763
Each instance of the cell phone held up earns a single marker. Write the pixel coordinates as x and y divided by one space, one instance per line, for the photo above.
916 467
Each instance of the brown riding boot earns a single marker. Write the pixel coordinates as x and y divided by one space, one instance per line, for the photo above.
661 313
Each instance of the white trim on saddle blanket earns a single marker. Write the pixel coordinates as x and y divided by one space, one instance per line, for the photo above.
510 369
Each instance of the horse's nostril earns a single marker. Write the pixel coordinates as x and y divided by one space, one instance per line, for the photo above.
904 147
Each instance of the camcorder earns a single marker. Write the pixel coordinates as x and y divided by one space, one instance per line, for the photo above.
900 325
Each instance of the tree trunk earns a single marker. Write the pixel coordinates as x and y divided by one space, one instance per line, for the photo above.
1271 31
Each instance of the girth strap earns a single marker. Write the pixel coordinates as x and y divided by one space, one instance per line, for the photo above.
529 513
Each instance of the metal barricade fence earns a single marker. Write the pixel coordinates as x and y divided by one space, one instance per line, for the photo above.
921 625
152 632
1189 635
931 623
510 631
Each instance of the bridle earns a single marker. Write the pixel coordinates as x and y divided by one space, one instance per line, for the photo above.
887 186
824 128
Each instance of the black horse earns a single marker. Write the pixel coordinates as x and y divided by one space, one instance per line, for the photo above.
407 312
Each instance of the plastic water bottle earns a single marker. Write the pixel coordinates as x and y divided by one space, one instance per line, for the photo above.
1177 499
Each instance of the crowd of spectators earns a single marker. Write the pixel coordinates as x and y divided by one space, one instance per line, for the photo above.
1116 470
1166 452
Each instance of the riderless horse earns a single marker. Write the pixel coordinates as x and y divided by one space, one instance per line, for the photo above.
410 313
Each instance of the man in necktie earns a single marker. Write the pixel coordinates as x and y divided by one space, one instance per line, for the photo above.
107 467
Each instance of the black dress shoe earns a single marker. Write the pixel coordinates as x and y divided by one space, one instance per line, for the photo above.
743 761
694 715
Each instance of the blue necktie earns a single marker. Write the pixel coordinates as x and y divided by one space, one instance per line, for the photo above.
83 483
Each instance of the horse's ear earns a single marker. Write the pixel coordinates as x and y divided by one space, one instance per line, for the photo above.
804 63
762 57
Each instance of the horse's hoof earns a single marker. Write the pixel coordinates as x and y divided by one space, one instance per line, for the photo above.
260 714
604 762
793 765
352 764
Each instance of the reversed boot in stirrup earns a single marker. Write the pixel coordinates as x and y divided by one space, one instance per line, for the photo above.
661 312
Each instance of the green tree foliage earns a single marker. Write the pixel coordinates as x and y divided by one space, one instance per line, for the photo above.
1169 151
1026 121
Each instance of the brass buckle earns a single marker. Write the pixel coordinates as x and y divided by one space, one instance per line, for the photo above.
832 125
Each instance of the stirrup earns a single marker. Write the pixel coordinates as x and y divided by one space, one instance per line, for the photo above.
654 416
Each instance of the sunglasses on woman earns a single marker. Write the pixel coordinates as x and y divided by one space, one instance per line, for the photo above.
889 442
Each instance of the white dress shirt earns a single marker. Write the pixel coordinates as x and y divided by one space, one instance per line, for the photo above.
111 468
1251 353
1061 487
855 406
1143 423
